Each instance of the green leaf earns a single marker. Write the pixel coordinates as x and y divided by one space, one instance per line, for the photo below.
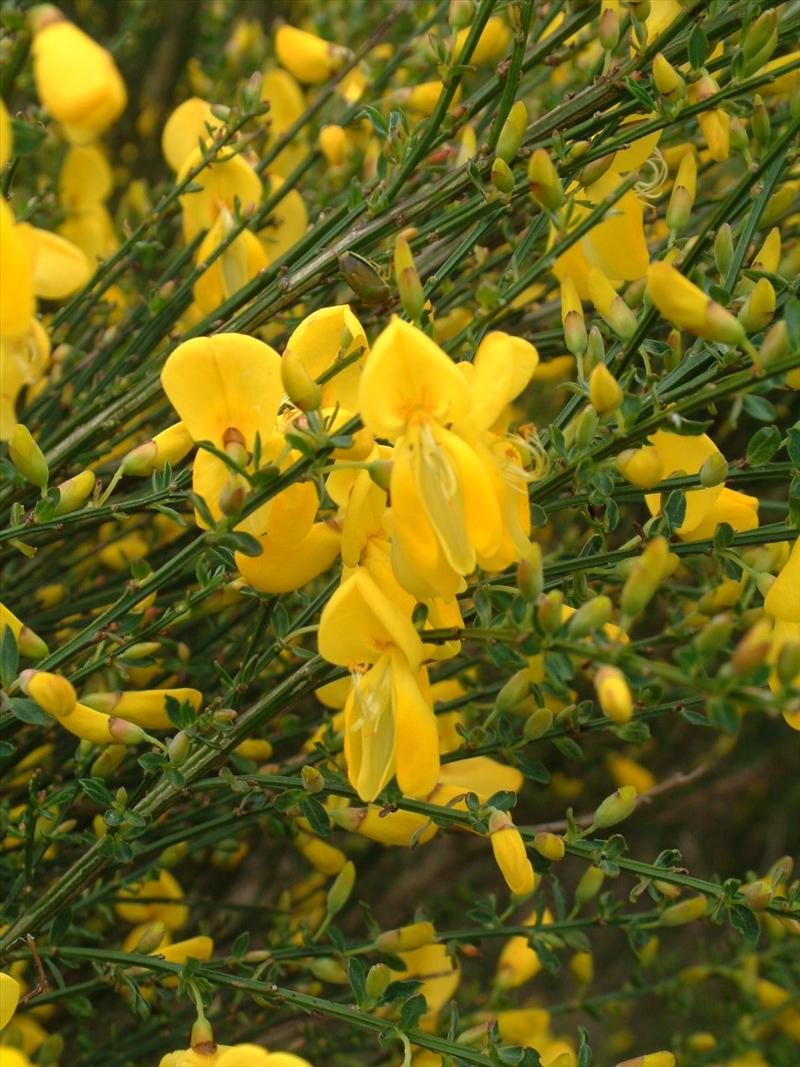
316 815
9 657
792 316
675 509
95 789
698 47
240 944
412 1011
743 920
28 711
763 445
241 542
26 137
760 409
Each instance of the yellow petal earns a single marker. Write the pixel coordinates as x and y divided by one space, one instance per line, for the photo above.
417 738
145 707
196 948
88 725
282 568
238 264
85 179
684 453
309 58
737 509
185 128
438 972
321 340
360 623
9 998
369 730
481 775
58 267
77 80
221 183
617 245
783 598
408 377
6 136
286 105
222 382
285 225
16 288
503 367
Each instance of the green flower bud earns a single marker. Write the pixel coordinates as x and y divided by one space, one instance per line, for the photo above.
510 139
615 808
537 724
590 616
714 470
378 979
685 911
530 575
589 886
723 249
515 691
340 890
363 278
502 177
313 782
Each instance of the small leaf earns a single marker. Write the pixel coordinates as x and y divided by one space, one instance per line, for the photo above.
28 711
698 47
763 445
743 920
9 657
95 789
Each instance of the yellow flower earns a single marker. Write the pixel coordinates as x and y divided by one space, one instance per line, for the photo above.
30 645
518 961
439 973
221 183
172 915
188 124
16 284
309 58
239 262
510 854
9 997
85 179
492 42
145 707
683 304
76 79
783 598
389 724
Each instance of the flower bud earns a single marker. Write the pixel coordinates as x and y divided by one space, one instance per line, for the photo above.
546 188
641 467
610 305
377 981
512 133
590 884
233 495
27 457
572 318
681 200
758 36
108 761
328 969
585 425
405 938
714 470
758 894
510 854
714 635
605 393
537 724
738 135
608 34
515 691
776 343
412 295
668 81
530 574
582 967
178 748
685 911
363 278
753 648
340 890
655 563
309 58
125 733
152 935
333 144
685 305
613 694
723 249
502 177
640 9
550 846
53 693
595 169
590 616
140 462
550 611
460 13
298 384
615 808
758 309
762 130
74 492
313 782
141 650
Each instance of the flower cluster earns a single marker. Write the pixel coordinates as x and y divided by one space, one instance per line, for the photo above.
401 501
